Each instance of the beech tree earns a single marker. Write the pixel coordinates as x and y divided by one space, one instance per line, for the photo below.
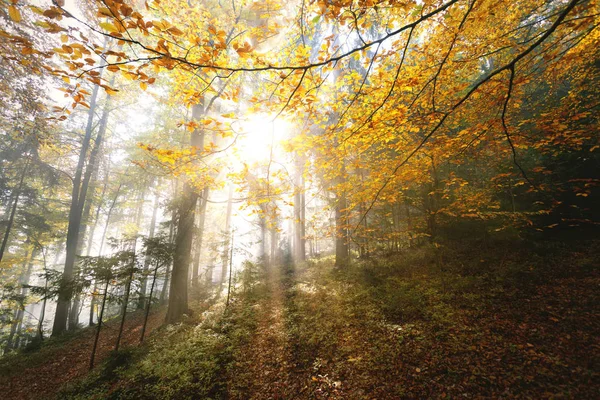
415 113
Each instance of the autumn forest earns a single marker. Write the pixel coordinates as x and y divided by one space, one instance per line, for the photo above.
306 199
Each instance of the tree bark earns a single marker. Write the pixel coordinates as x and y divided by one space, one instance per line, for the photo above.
342 251
147 259
230 271
201 210
110 210
149 302
126 299
19 312
91 175
64 298
299 212
228 244
99 327
13 210
178 298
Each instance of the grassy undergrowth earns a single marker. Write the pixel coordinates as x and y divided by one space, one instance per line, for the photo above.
503 319
183 361
500 319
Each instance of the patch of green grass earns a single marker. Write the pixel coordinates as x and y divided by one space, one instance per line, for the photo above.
183 361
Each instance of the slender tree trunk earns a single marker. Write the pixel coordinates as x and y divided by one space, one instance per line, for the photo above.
99 327
149 302
13 210
97 215
43 313
43 310
125 300
433 200
110 210
299 240
91 175
273 235
263 237
230 270
342 251
89 184
148 259
163 294
64 298
127 291
199 235
227 229
89 247
409 224
19 312
303 221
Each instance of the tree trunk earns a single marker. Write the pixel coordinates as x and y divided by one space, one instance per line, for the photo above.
147 259
178 304
228 244
13 210
230 271
433 202
110 210
20 311
299 228
409 226
163 294
199 236
273 255
126 299
263 237
91 175
99 327
342 251
97 215
149 302
178 299
64 298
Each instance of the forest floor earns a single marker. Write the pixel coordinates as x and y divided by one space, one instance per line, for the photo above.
40 374
524 323
321 334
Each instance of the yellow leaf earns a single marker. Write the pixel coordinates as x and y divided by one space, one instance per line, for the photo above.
130 75
64 38
174 31
66 79
103 11
143 85
14 13
37 10
109 27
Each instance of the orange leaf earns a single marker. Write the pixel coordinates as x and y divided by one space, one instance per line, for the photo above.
14 13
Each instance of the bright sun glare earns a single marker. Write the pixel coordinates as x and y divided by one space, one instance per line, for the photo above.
259 134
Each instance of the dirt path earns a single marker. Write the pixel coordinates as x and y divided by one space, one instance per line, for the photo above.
274 363
318 341
54 366
265 368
